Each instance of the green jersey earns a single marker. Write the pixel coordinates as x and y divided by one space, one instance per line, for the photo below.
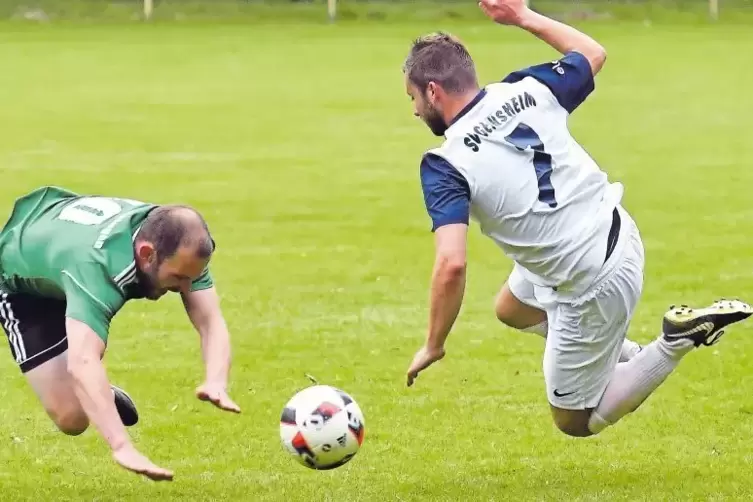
79 249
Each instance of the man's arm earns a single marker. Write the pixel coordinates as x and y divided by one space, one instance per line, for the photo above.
564 38
203 309
447 289
447 283
447 197
560 36
85 350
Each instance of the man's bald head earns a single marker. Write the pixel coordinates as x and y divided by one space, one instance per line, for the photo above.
169 228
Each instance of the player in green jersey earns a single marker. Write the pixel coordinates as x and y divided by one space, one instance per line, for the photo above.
68 263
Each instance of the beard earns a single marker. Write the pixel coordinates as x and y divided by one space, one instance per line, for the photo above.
149 284
435 122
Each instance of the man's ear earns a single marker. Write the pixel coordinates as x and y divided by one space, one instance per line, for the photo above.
432 91
145 252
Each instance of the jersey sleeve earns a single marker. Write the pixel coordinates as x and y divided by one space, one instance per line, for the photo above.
91 296
569 79
447 194
204 281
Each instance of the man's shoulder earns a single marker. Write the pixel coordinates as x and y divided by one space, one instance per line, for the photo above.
107 252
114 253
569 80
111 249
88 283
505 88
457 151
102 266
450 148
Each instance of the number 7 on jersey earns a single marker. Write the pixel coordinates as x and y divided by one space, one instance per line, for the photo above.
522 138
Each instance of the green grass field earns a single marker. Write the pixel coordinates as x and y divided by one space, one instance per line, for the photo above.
298 143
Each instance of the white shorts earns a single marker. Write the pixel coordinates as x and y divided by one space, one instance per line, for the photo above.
585 335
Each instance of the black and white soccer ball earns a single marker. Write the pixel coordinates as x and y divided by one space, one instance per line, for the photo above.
322 427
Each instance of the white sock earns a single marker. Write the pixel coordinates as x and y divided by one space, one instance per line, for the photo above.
629 350
633 381
538 329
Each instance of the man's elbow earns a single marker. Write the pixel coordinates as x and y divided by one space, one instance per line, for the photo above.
207 321
597 58
601 55
78 364
453 266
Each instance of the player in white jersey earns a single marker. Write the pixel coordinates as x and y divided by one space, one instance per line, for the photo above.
509 162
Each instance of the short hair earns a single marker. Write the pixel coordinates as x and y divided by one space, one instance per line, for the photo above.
169 228
441 58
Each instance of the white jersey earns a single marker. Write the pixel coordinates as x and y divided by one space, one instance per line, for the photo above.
531 187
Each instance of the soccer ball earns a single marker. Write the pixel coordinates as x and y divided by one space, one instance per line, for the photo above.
322 427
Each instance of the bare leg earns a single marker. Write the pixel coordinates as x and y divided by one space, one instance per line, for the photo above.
55 388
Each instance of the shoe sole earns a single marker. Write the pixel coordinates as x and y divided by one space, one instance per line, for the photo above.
125 406
710 320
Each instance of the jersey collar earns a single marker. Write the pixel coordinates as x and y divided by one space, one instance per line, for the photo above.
468 107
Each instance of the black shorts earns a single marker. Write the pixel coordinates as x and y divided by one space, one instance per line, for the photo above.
35 327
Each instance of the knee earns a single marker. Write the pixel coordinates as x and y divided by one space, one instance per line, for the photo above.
574 430
572 423
507 312
504 314
72 422
515 314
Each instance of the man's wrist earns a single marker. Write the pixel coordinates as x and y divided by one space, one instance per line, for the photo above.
433 344
216 381
120 443
529 20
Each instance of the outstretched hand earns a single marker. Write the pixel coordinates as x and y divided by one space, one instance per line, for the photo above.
129 458
217 395
424 358
505 11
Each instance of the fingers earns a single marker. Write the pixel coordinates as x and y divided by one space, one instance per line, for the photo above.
220 400
411 377
422 360
155 473
141 465
414 370
158 474
228 404
486 5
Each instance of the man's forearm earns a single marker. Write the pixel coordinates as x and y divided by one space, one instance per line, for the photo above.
215 348
447 288
564 38
96 398
203 308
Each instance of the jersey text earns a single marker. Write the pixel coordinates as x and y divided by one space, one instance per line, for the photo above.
495 120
